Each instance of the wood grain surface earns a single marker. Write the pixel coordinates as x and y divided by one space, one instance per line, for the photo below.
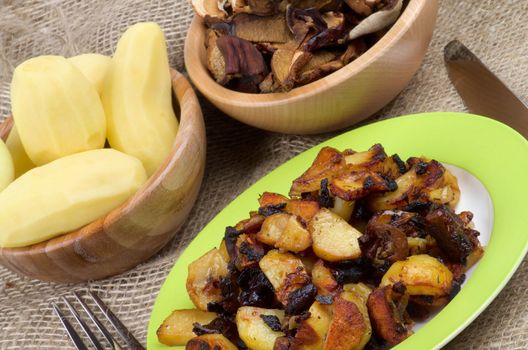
138 228
338 100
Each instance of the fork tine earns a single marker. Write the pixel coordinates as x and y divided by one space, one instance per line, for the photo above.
84 326
77 341
97 323
132 342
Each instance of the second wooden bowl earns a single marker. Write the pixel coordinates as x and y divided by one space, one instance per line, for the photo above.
138 228
341 99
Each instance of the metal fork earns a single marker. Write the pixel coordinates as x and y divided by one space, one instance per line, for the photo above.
128 338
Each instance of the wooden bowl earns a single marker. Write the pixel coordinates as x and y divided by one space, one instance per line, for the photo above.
338 100
138 228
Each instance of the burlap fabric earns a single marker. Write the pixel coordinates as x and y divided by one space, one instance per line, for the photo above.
496 30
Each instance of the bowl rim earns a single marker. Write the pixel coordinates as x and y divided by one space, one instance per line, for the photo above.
179 84
210 87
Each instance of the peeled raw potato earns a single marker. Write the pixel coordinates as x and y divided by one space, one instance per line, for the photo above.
21 160
57 111
66 194
94 67
137 97
7 172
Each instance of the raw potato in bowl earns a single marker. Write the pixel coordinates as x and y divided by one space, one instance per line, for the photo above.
89 231
366 274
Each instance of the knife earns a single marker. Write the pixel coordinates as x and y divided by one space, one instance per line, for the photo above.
482 91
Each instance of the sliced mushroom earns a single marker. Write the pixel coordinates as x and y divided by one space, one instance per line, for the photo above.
324 5
244 61
334 34
354 49
319 72
285 64
377 21
262 29
215 59
301 21
361 7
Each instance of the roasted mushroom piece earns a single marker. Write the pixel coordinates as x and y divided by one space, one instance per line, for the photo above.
459 242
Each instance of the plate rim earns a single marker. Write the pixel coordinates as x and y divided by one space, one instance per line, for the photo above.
435 121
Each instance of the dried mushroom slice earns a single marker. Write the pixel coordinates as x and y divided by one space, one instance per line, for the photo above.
377 21
302 21
215 59
259 29
285 64
210 8
242 59
334 34
323 5
354 49
321 63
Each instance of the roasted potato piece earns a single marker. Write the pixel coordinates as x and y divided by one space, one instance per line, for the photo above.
177 329
343 208
375 160
426 182
210 341
286 273
223 251
326 164
294 238
421 275
270 198
386 309
203 278
323 279
305 210
333 238
251 225
311 333
354 185
419 246
259 328
272 228
350 327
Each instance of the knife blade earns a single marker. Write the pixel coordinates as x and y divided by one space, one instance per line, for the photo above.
482 91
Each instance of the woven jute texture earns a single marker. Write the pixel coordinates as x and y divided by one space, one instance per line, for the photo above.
497 31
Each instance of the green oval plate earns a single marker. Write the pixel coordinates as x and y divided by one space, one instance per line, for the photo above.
494 153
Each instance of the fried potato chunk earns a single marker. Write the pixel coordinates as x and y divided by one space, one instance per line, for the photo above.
272 228
203 278
421 275
323 279
426 182
294 238
312 332
326 164
253 329
343 208
386 309
210 341
375 160
285 272
333 238
177 329
305 210
350 328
